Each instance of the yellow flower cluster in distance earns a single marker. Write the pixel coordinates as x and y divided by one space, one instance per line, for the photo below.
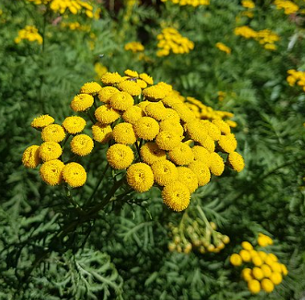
262 271
195 235
193 3
170 40
134 47
29 33
62 6
248 4
75 26
288 6
296 77
223 47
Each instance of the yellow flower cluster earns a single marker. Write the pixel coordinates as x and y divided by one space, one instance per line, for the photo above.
193 3
195 235
134 47
29 33
266 271
296 77
53 170
288 6
265 37
62 6
223 47
248 4
75 26
170 40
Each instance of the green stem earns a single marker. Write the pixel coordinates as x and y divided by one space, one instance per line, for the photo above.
204 218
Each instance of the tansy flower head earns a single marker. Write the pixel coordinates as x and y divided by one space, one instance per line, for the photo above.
82 144
155 110
181 155
101 133
171 100
74 124
257 273
222 125
201 154
146 128
130 87
42 121
212 130
51 171
254 286
111 78
49 151
156 92
208 143
105 114
91 88
140 177
164 172
276 278
168 140
216 164
245 255
266 270
172 125
123 133
247 274
131 73
202 172
188 177
196 131
82 102
121 101
150 153
264 240
30 157
236 161
176 196
74 174
246 245
106 92
267 285
133 114
227 143
149 80
120 156
53 133
235 260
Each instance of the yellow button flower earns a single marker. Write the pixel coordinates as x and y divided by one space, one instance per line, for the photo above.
53 133
105 114
74 174
30 157
266 270
74 124
223 126
216 164
146 128
82 102
227 143
164 172
101 133
130 87
106 92
82 144
121 101
91 88
49 151
235 260
51 171
181 154
247 274
188 177
246 245
267 285
245 255
236 161
254 286
120 156
202 172
111 78
201 154
258 273
123 133
276 278
172 125
42 121
133 114
150 153
168 140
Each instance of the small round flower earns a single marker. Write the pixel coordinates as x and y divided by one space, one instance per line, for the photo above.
171 114
49 151
150 153
74 124
246 274
130 87
82 144
196 131
101 133
51 171
213 131
284 269
227 143
131 73
222 125
276 278
257 261
264 240
155 110
155 92
181 154
171 125
164 172
216 164
106 92
82 102
140 177
42 121
105 114
141 83
30 157
257 273
146 128
119 156
168 140
171 100
254 286
74 174
201 154
188 177
262 255
176 196
208 143
202 172
53 133
121 101
246 245
133 114
185 114
235 260
267 285
123 133
245 255
276 267
266 270
143 104
149 80
91 88
111 78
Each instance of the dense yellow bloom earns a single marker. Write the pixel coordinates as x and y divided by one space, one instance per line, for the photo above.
91 88
51 171
202 172
257 273
236 161
131 73
217 165
227 143
123 133
101 133
201 154
247 274
74 174
284 269
223 126
254 286
170 100
30 157
288 6
164 172
264 240
133 114
172 125
266 270
134 47
267 285
49 151
42 121
140 177
245 32
146 128
223 47
188 177
212 130
106 92
276 278
196 131
157 92
167 140
246 245
181 155
245 255
257 261
148 79
193 3
111 78
29 33
53 133
119 156
156 110
82 144
105 114
82 102
235 260
130 87
185 114
74 124
150 153
121 101
208 143
176 196
247 3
